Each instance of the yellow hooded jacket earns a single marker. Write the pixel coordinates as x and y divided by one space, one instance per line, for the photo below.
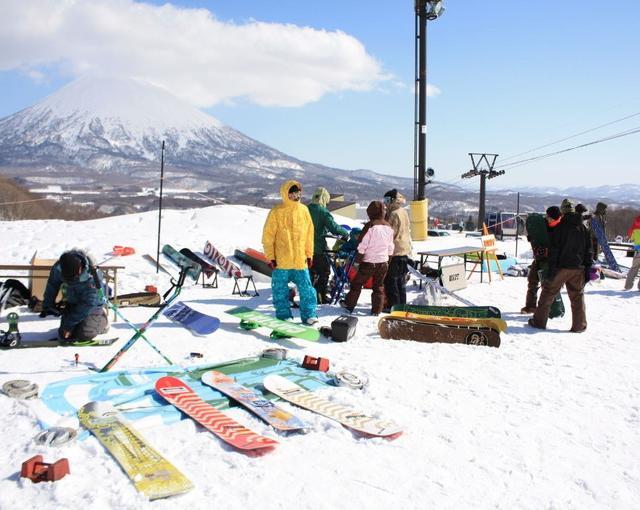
287 236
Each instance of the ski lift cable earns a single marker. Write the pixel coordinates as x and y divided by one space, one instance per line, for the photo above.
570 137
561 151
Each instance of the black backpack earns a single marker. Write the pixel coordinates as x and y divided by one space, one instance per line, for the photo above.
13 293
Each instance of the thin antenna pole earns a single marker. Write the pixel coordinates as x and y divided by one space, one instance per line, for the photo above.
160 207
517 222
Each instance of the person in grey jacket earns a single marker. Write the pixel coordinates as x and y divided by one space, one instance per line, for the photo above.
84 314
395 283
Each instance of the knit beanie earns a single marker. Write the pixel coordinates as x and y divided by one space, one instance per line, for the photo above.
321 196
566 206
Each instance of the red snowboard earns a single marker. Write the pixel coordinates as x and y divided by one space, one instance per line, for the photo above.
177 393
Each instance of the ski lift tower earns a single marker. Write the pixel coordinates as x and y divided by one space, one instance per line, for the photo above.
426 10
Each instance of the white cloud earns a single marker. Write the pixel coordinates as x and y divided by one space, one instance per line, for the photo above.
186 51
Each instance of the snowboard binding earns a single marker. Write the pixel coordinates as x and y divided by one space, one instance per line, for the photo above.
248 325
12 337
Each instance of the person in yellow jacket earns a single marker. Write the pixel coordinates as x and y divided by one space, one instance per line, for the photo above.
287 239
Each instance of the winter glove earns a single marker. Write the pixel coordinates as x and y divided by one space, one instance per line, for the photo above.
49 311
587 274
273 264
309 262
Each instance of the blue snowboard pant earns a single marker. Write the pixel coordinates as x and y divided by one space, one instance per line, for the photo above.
280 289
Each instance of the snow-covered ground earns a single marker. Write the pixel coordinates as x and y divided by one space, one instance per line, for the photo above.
551 419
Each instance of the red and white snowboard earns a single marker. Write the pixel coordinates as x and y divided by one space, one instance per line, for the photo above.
228 267
177 393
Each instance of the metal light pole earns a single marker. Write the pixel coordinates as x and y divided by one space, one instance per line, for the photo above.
426 10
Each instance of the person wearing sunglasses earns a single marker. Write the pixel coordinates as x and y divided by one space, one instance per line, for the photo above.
287 239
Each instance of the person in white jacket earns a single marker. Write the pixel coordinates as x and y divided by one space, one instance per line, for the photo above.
375 248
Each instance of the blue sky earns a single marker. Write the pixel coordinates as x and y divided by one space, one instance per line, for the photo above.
509 76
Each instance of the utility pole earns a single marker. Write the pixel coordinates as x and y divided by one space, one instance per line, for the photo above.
477 159
160 206
425 10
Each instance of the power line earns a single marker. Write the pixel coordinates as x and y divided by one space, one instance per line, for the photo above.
572 136
555 153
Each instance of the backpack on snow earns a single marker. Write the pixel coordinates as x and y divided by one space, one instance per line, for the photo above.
13 293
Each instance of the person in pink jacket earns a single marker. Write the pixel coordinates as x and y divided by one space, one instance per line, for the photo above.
375 248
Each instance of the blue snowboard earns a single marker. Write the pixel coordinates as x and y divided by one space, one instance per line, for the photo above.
598 230
196 322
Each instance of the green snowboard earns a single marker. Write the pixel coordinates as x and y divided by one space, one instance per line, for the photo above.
470 312
539 238
250 319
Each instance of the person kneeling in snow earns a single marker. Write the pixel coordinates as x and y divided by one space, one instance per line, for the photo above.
287 239
374 251
84 315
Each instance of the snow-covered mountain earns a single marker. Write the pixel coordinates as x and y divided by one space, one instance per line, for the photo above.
610 193
114 128
102 123
98 133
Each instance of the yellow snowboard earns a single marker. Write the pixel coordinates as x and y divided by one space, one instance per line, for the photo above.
151 474
493 323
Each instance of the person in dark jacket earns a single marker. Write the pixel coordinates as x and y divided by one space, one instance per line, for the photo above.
570 260
323 223
553 218
599 214
84 315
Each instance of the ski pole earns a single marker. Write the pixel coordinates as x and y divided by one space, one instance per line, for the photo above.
133 326
143 328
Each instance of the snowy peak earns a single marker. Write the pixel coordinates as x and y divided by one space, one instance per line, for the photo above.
106 123
138 105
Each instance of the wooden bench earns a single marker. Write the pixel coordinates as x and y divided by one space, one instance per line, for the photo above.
41 272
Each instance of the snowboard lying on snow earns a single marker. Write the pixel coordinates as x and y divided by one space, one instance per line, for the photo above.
493 323
347 416
250 319
197 322
398 328
480 312
151 474
25 343
275 416
176 392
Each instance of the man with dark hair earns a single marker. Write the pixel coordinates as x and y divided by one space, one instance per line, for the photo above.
84 315
396 280
553 217
570 260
